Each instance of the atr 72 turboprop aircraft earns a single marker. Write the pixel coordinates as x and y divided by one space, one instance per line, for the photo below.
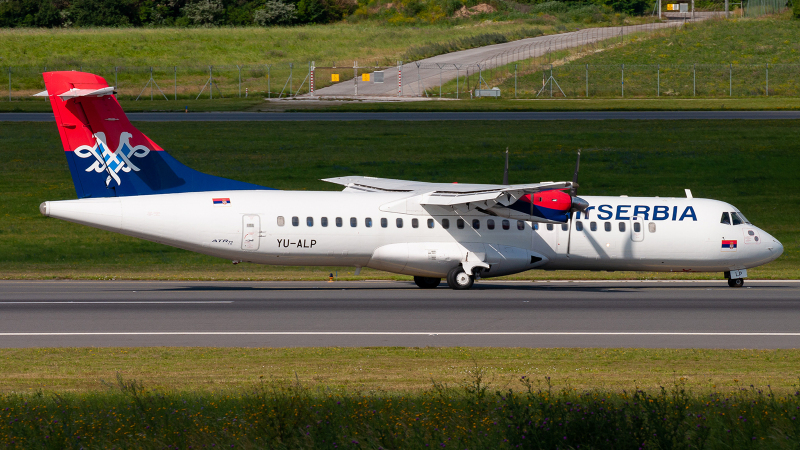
127 184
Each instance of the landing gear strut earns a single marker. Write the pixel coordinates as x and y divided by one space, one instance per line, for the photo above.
459 280
427 282
735 282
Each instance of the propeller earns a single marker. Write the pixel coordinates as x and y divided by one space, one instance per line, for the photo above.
505 172
578 204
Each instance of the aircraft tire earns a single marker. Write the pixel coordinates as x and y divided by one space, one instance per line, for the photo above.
736 282
459 280
427 282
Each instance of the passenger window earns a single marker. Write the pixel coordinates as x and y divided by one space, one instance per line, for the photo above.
414 223
736 219
384 222
295 221
593 226
652 227
368 222
339 222
445 223
535 226
281 222
430 223
622 227
353 222
607 226
490 224
578 226
460 224
549 227
323 221
564 227
476 224
520 225
506 224
637 227
310 221
399 223
726 219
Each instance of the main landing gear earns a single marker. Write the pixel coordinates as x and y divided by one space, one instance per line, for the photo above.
427 282
458 279
735 282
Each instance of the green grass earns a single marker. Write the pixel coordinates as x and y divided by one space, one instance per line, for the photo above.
357 398
751 164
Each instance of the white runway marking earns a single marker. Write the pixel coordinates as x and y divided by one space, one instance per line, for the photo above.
198 302
397 333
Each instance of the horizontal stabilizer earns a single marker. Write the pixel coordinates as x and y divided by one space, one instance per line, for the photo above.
75 93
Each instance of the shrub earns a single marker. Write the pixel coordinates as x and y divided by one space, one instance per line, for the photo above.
796 8
275 13
204 12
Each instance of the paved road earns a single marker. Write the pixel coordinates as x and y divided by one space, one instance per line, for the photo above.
425 116
431 72
542 314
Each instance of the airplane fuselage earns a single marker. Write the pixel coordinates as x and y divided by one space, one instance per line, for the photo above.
369 230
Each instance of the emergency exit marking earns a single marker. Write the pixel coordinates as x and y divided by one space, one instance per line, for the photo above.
364 77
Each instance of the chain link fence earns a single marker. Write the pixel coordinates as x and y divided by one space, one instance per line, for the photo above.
534 78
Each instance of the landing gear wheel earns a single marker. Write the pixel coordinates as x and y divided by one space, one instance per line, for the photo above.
735 282
427 282
459 280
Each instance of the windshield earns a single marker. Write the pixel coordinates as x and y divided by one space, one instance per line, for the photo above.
744 219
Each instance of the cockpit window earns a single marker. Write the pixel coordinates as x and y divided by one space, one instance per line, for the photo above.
736 218
744 219
726 219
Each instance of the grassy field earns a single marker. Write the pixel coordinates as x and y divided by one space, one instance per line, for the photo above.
374 398
713 59
393 370
750 164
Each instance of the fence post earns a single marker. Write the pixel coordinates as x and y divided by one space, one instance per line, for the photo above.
623 80
515 81
291 70
730 79
312 69
9 83
440 81
767 79
458 75
587 81
115 77
355 76
175 71
211 83
269 91
240 80
658 82
694 77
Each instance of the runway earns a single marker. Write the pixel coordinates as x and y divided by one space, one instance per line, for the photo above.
692 314
426 116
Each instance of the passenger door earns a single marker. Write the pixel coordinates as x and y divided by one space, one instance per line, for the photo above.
251 232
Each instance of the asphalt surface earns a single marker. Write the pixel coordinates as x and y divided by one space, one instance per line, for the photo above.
704 314
429 73
425 116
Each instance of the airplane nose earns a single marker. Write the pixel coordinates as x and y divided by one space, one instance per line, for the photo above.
778 248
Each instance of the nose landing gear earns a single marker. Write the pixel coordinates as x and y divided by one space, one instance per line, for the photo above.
735 282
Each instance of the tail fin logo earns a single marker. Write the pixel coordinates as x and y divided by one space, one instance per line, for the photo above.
112 162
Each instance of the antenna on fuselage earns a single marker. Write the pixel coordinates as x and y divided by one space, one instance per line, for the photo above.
505 172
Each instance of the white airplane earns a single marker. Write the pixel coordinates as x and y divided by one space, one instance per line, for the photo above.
127 184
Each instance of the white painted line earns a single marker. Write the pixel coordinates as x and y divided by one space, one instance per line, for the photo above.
199 302
396 333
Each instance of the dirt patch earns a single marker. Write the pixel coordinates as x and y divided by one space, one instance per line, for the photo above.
482 8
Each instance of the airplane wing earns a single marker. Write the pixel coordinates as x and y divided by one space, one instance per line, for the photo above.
463 197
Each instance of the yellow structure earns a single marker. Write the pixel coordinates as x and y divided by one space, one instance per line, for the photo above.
334 77
364 77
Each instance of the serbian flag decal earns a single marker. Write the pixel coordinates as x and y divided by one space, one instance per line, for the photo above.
227 202
728 246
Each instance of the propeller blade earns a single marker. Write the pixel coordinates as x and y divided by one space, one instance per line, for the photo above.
573 191
505 172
